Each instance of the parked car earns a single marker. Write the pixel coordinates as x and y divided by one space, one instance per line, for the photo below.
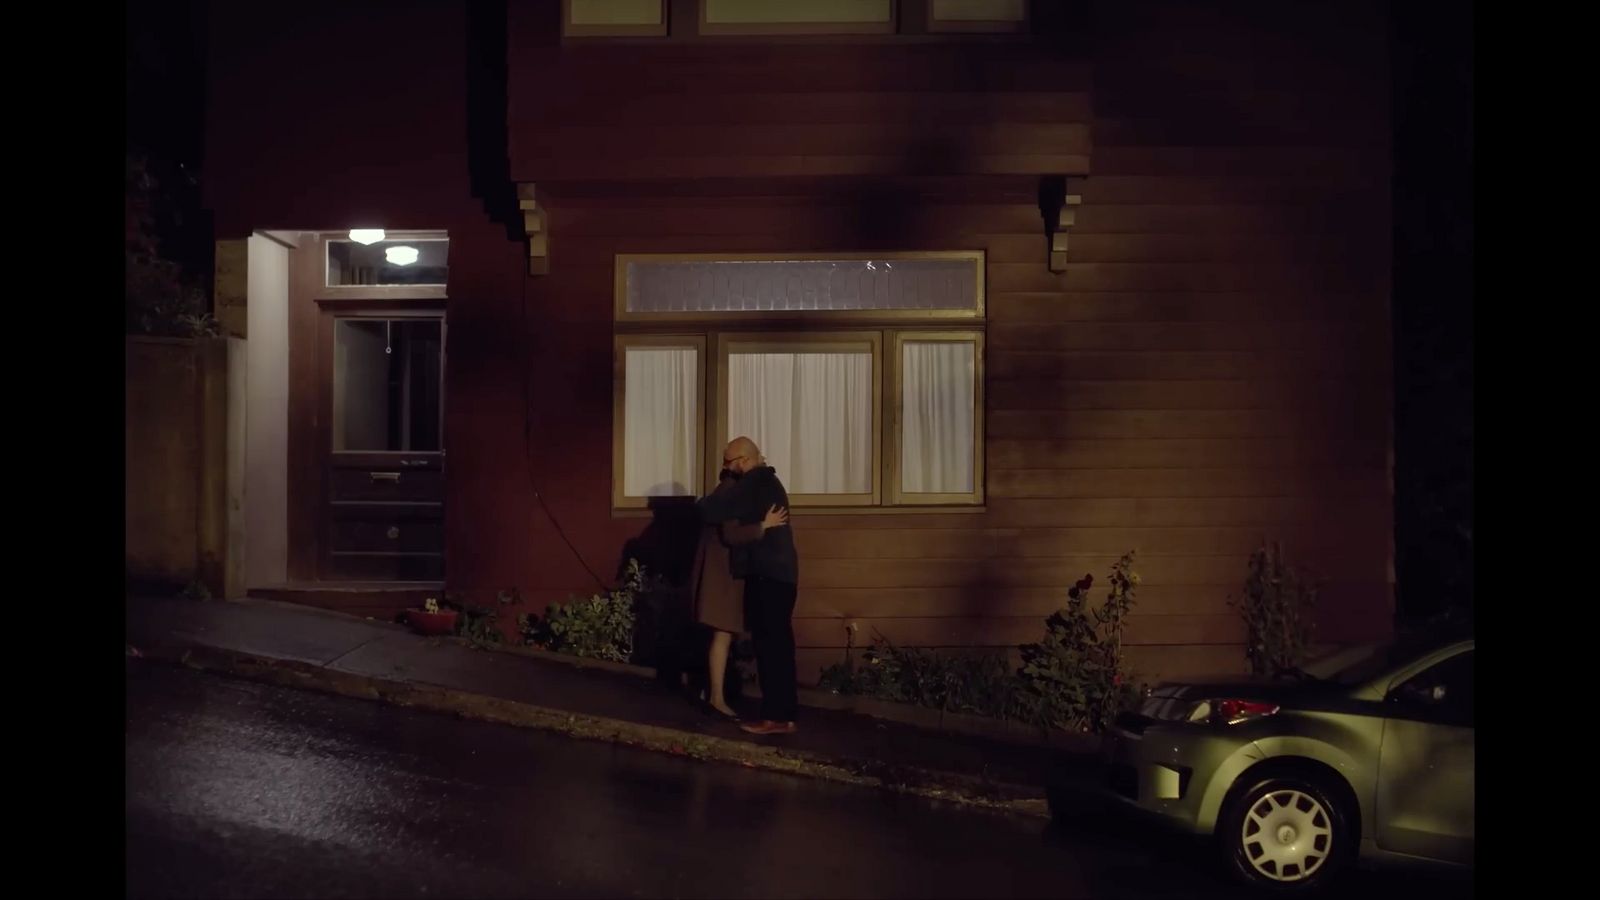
1364 755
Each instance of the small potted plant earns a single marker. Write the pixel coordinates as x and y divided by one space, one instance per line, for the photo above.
432 620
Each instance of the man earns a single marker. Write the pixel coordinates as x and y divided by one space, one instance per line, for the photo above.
770 569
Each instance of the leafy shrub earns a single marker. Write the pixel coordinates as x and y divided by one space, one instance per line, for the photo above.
477 625
1278 607
1074 678
982 684
598 627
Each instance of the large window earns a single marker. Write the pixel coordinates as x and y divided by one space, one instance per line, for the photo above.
884 408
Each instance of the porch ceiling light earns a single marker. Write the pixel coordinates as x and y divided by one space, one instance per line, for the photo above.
366 235
400 256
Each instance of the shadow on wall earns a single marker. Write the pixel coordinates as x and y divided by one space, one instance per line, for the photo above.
665 634
892 215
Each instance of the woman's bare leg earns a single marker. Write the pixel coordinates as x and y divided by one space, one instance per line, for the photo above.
718 667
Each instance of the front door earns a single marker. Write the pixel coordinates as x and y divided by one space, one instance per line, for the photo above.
1427 786
383 499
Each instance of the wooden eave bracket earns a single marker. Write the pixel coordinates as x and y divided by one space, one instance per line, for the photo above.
1058 204
535 226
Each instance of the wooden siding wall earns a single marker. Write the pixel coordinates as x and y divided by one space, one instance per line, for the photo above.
1212 369
611 113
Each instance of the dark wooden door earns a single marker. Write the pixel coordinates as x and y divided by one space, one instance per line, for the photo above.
382 516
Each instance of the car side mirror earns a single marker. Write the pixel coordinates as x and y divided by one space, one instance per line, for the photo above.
1421 695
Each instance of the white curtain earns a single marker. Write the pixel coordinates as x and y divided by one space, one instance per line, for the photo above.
660 416
937 398
811 415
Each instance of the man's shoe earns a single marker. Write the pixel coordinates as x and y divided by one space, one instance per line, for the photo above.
767 726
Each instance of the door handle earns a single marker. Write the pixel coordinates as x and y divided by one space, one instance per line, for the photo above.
391 477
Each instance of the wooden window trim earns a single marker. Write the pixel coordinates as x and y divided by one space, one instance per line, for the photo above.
619 407
569 30
322 292
712 29
622 315
820 341
897 496
885 330
937 25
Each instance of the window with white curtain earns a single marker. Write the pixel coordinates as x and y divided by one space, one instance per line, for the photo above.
885 411
659 419
811 404
939 417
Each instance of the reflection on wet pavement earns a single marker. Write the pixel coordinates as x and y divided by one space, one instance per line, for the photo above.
237 789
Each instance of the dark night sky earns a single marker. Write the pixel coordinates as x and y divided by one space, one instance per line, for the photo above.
1433 225
165 117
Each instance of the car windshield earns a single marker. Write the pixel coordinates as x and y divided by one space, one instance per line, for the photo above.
1361 663
1351 665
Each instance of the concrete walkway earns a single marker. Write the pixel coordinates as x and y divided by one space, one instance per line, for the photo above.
319 650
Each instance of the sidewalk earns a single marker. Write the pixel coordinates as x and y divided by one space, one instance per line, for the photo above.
317 650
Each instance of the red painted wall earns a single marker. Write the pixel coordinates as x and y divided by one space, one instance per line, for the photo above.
1212 369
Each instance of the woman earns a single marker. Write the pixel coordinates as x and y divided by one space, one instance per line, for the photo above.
718 596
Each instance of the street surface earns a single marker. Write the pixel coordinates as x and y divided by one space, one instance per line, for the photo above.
236 789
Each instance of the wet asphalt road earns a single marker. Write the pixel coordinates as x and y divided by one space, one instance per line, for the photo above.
237 789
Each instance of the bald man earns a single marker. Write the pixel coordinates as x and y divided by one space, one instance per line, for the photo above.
771 570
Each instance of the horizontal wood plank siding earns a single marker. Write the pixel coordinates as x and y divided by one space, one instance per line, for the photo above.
1211 370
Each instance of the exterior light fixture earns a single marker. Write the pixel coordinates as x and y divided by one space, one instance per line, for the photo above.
366 236
400 256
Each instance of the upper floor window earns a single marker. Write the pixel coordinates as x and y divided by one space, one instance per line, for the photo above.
716 18
788 17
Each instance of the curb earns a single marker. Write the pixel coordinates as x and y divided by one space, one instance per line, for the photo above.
1010 732
1027 800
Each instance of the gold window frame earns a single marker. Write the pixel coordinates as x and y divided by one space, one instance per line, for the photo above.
786 342
712 29
621 313
622 343
570 30
896 436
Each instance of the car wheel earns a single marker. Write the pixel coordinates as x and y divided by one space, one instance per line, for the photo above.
1285 833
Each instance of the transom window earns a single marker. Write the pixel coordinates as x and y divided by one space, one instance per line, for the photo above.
860 377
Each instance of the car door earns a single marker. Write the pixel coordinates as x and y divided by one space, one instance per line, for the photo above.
1426 798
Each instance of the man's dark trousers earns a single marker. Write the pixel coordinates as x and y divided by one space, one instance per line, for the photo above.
769 614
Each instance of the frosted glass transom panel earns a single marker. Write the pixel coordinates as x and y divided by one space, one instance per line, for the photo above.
949 285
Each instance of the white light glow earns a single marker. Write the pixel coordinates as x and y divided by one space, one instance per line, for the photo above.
366 236
400 256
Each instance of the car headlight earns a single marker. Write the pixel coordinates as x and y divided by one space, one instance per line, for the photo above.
1230 711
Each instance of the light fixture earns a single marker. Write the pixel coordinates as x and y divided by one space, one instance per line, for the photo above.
400 256
367 236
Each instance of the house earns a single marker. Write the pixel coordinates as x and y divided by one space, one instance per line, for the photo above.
1006 288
